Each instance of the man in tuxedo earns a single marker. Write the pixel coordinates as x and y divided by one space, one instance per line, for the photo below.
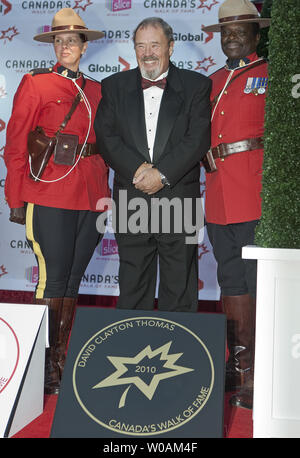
153 128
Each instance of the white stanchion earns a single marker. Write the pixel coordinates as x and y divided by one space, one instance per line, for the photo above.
22 360
276 412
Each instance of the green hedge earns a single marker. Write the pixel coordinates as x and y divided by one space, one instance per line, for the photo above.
280 222
263 45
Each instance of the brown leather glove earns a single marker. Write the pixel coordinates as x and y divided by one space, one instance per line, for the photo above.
17 215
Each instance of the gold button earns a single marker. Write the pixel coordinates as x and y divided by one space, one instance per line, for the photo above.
58 101
220 135
222 159
225 92
222 113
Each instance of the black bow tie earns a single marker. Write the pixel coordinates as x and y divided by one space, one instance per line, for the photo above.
160 83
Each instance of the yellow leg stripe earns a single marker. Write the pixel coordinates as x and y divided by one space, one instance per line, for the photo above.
37 250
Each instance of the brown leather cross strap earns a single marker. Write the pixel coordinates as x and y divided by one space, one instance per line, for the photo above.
73 108
225 149
89 150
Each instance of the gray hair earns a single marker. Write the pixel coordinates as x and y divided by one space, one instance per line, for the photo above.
155 22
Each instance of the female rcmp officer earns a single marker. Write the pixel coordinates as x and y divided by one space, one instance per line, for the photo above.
59 209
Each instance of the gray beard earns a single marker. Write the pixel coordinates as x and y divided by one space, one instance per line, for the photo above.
150 75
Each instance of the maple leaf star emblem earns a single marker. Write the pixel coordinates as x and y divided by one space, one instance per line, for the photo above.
205 63
208 6
148 389
9 34
82 7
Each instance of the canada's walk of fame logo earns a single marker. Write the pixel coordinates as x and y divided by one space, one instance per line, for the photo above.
147 389
143 376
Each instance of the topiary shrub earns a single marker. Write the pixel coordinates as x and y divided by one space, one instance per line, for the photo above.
280 222
263 45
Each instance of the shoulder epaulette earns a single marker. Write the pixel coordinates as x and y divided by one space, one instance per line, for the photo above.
40 71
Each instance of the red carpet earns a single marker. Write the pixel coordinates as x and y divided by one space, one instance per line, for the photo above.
237 422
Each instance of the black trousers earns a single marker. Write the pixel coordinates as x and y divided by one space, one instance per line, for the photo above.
236 276
63 242
140 256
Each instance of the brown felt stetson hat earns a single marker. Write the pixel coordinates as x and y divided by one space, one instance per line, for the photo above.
237 11
64 21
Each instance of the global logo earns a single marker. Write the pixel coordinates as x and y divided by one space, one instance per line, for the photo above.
121 67
5 7
195 37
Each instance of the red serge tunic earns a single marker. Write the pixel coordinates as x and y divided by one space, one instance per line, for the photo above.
233 191
44 100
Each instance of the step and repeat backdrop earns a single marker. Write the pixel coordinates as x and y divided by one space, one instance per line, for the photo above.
194 50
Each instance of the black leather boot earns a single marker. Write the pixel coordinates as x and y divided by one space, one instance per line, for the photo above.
52 372
65 325
240 312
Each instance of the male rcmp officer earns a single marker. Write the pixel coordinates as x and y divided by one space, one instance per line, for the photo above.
233 204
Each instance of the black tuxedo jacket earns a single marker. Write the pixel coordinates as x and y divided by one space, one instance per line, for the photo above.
182 135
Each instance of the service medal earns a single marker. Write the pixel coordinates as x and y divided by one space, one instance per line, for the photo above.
248 87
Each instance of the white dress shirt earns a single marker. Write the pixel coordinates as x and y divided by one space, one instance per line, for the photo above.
152 99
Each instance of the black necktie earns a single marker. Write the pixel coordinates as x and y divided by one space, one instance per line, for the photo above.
160 83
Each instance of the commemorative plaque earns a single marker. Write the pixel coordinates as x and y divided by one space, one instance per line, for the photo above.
143 374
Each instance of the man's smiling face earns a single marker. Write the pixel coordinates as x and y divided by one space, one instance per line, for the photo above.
153 51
